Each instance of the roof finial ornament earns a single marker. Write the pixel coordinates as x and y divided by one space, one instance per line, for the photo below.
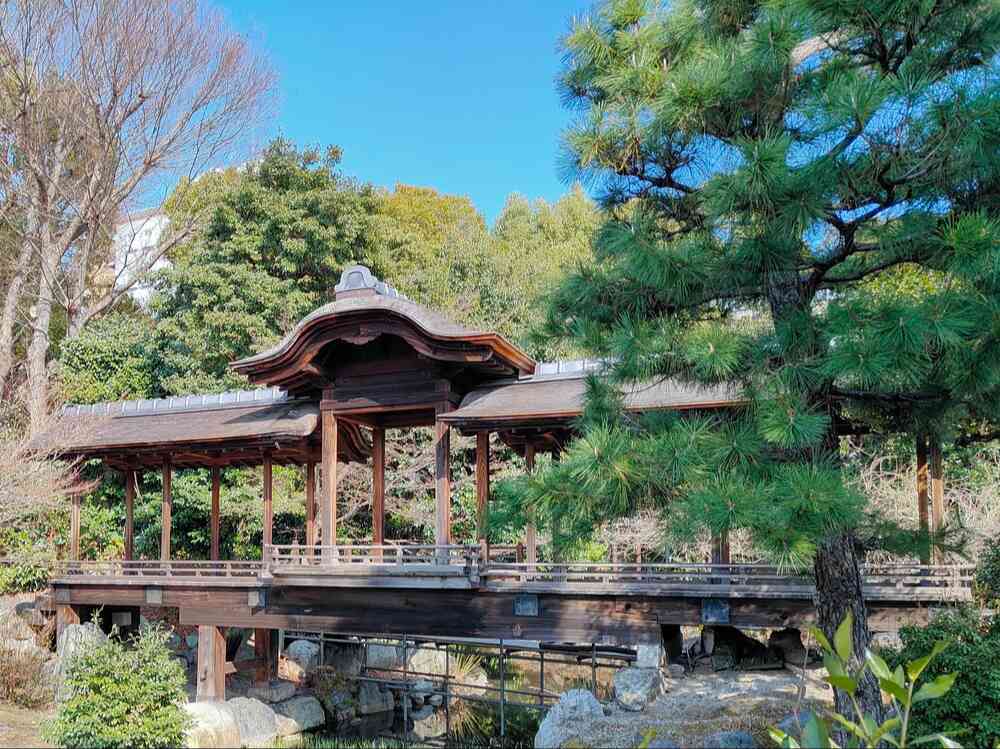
358 280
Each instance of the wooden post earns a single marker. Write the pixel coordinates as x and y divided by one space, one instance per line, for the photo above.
482 480
937 491
442 479
262 653
530 533
165 511
131 479
378 489
720 548
211 664
922 494
310 503
74 526
216 486
328 503
268 501
65 615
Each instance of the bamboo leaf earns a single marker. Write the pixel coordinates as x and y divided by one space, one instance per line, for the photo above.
842 640
934 689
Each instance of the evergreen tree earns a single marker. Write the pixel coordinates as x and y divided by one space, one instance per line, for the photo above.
763 164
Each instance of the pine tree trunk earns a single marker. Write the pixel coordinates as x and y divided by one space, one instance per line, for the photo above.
839 591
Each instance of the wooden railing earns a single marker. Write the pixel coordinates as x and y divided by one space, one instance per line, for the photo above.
157 568
393 555
490 568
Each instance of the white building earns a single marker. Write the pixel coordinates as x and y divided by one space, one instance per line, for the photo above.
136 237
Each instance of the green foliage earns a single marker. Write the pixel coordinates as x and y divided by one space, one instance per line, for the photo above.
806 226
899 685
123 695
31 572
113 358
987 581
973 704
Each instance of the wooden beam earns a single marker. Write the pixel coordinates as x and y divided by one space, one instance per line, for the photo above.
530 532
923 497
442 479
328 502
268 501
378 486
216 486
937 491
262 650
131 479
211 664
165 511
74 526
310 503
482 480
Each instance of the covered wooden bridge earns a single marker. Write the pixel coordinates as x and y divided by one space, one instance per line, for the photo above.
370 361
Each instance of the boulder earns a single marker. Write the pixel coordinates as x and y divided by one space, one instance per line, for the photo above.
301 659
339 704
345 660
212 726
428 659
381 656
675 671
788 644
373 700
637 687
569 720
421 689
257 723
299 714
276 690
74 640
422 713
730 740
792 724
649 655
432 725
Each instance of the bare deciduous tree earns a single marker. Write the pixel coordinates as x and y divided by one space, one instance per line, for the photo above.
104 104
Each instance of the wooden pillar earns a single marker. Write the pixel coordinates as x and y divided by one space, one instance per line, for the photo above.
165 511
937 491
74 526
211 664
65 615
378 486
720 548
310 503
263 653
530 532
268 502
328 501
482 480
216 486
131 479
923 497
442 480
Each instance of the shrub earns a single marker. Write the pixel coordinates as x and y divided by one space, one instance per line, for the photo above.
23 577
123 695
23 678
987 581
973 704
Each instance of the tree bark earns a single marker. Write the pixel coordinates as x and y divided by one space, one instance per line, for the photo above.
38 349
11 299
839 591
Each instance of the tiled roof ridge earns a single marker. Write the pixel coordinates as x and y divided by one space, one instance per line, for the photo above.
176 403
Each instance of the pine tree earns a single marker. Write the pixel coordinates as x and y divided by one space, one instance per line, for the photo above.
771 169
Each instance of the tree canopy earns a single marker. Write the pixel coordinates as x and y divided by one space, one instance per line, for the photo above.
763 165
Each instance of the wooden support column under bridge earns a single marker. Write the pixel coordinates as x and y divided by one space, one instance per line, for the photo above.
937 491
923 498
310 503
268 477
131 480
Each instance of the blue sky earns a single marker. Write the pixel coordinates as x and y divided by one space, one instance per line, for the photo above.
459 96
